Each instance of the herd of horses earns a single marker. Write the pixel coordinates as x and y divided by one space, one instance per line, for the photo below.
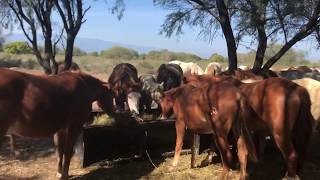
235 110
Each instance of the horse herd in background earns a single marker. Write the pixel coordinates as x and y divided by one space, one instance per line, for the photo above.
245 106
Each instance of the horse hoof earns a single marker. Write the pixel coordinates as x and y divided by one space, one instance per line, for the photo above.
58 175
172 168
225 175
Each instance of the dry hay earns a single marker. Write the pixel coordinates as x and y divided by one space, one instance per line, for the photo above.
38 161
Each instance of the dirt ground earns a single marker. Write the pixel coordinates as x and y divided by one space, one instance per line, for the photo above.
37 160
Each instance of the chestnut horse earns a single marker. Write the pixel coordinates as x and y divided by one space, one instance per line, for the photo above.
284 110
217 108
42 106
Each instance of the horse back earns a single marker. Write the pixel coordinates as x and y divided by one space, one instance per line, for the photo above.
39 105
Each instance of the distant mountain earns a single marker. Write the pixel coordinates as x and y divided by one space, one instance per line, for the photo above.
89 45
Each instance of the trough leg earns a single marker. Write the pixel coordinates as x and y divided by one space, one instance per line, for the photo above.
195 144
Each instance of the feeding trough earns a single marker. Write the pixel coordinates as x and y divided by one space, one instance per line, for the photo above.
128 137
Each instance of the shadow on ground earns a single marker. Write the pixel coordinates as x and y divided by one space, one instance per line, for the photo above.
28 149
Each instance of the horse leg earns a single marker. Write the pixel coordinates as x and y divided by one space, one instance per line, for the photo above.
71 138
286 147
212 153
180 131
221 139
60 142
195 142
242 155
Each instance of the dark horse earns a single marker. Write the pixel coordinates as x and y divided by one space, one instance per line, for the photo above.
217 108
42 106
126 86
171 75
284 110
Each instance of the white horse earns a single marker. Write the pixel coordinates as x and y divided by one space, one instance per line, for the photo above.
188 68
213 68
313 88
243 67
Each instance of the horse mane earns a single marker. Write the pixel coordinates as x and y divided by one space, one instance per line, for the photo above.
124 72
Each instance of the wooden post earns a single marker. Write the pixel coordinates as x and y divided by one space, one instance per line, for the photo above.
195 144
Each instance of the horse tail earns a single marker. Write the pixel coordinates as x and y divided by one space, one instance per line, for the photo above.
303 127
245 114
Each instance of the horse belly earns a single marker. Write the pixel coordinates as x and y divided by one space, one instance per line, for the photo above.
35 127
199 125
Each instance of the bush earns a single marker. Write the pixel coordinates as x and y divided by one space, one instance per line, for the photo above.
217 58
78 52
169 56
120 53
1 43
17 47
95 53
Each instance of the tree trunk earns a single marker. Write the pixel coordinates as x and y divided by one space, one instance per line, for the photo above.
228 34
262 46
258 13
69 52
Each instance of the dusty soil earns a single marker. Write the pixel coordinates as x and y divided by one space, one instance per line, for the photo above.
37 160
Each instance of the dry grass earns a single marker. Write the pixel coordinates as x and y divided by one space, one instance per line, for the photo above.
38 161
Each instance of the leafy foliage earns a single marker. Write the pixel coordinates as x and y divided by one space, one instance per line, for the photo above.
169 56
78 52
292 57
217 58
263 21
1 40
120 53
94 53
17 47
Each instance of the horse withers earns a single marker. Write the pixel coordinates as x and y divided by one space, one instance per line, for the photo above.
42 106
217 108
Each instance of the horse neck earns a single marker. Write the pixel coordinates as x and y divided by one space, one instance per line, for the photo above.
94 85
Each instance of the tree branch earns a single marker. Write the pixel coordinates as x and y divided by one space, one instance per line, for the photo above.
306 30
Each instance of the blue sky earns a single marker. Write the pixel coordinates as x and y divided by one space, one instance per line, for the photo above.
141 23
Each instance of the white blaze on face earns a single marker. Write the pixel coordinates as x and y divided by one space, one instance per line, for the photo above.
133 101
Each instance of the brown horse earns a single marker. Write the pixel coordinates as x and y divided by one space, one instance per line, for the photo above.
40 106
217 108
284 110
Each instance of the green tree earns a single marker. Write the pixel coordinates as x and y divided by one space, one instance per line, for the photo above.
217 58
120 53
34 16
262 20
292 56
78 52
94 53
1 40
169 56
17 47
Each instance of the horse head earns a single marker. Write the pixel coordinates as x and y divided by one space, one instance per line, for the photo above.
167 102
105 98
